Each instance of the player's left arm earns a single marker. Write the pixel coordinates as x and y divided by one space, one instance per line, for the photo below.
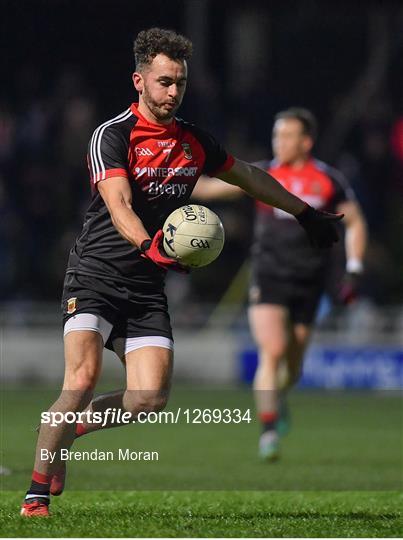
356 235
213 189
261 185
319 226
355 246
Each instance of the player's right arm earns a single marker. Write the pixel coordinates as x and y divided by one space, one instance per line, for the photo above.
107 163
117 195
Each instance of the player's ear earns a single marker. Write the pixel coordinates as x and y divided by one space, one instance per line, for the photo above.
308 143
138 81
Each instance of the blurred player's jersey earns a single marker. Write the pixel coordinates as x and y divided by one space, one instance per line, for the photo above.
162 164
281 248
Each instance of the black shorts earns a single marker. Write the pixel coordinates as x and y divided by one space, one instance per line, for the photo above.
134 311
301 297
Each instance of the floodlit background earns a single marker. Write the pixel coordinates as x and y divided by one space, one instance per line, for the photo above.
67 68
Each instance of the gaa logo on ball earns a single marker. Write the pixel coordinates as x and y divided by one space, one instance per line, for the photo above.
194 235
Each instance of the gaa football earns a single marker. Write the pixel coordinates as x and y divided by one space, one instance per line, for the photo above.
194 235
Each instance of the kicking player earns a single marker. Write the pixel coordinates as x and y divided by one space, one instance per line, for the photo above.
143 164
288 272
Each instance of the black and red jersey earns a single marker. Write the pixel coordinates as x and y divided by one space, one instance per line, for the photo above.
162 164
281 248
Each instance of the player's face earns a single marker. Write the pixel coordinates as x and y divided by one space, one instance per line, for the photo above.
161 86
290 144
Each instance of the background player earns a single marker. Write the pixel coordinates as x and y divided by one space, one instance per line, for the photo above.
288 273
143 163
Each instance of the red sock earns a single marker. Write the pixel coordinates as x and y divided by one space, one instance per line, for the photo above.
40 484
41 478
268 420
80 429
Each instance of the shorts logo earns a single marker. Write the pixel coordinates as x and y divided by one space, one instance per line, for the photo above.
187 150
71 305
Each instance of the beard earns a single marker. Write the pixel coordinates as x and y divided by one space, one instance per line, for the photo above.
157 109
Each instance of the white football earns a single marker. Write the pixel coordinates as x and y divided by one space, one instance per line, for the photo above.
194 235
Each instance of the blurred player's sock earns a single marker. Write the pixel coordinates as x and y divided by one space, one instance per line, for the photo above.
80 430
269 446
283 425
268 420
269 440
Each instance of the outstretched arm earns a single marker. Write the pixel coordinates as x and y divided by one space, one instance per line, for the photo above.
262 186
319 226
210 188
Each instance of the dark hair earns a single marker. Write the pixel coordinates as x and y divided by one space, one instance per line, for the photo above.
153 41
307 119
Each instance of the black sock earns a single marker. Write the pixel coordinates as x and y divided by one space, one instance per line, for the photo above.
37 488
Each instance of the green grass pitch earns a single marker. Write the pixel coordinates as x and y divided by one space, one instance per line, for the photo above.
340 473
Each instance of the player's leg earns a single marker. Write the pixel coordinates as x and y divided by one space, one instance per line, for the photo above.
149 373
298 340
147 330
83 358
300 334
148 362
303 303
269 326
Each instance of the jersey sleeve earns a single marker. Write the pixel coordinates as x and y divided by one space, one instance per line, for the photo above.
217 159
107 154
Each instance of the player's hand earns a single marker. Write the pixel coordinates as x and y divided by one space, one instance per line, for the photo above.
349 288
320 226
153 250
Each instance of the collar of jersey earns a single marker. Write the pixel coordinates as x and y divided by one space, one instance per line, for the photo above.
163 127
310 162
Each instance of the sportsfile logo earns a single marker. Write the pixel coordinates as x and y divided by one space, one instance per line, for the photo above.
178 190
165 172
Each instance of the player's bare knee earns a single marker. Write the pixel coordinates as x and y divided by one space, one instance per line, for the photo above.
159 403
271 354
137 401
81 380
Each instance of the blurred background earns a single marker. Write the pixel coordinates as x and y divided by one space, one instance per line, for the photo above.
66 67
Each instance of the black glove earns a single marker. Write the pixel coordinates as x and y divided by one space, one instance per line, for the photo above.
319 226
349 288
